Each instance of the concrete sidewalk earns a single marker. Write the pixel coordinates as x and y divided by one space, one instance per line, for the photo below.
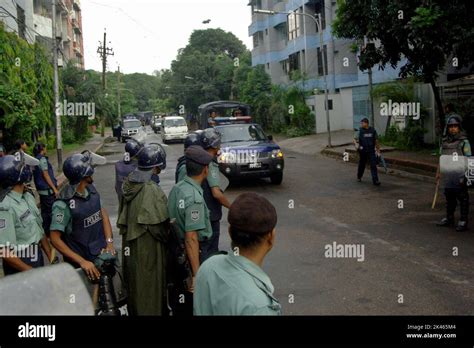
93 144
415 165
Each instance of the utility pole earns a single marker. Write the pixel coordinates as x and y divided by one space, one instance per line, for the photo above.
371 98
59 137
104 52
119 109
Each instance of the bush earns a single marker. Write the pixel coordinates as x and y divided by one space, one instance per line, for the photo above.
409 139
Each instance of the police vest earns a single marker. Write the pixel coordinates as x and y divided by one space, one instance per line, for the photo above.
367 139
87 237
40 183
122 170
456 146
214 206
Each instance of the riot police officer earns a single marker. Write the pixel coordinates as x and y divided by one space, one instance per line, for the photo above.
46 184
210 140
80 227
145 234
21 229
127 165
454 148
187 207
367 144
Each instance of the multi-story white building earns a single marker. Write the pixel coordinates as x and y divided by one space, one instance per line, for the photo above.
287 43
32 20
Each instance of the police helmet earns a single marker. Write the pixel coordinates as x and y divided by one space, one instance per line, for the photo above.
454 119
132 147
151 156
194 138
81 165
211 138
15 169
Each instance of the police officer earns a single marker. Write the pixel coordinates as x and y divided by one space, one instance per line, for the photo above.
186 204
80 227
235 284
144 225
46 184
127 165
210 140
367 144
21 229
455 145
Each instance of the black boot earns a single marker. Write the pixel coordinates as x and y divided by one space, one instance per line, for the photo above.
462 226
446 222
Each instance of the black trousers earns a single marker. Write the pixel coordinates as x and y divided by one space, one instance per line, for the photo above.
46 204
210 246
372 158
453 195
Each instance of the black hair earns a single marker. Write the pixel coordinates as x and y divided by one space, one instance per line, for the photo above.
193 168
38 148
246 239
18 144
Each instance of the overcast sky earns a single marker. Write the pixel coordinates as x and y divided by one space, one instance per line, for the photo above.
146 34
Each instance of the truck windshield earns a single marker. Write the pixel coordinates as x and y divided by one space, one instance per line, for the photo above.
241 133
132 124
176 122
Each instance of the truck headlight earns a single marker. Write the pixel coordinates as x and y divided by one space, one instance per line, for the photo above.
277 154
227 157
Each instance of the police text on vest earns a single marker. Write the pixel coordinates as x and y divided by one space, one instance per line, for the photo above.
37 331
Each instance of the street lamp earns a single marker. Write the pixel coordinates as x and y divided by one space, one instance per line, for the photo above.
318 22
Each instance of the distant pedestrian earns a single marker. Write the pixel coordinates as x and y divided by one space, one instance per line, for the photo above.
235 284
46 184
367 144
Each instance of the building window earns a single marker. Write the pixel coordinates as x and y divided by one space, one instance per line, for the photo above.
266 31
320 60
256 4
257 39
294 62
268 66
318 7
294 24
285 66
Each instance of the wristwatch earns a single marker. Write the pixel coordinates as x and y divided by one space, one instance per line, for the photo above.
110 240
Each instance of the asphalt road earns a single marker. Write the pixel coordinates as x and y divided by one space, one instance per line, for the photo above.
410 266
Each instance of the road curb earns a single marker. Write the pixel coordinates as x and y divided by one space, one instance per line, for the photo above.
400 168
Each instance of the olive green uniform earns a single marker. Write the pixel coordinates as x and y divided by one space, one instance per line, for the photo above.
186 204
143 222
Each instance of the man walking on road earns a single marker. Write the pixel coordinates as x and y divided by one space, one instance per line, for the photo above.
144 225
235 284
367 144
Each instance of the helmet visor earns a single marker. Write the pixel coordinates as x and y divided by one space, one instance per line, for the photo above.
94 159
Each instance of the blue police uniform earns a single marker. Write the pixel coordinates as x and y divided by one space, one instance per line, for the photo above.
79 218
45 192
367 140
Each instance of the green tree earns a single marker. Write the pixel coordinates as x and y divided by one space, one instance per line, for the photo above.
422 35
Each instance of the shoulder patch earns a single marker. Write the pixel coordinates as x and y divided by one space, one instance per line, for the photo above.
59 217
195 215
3 224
